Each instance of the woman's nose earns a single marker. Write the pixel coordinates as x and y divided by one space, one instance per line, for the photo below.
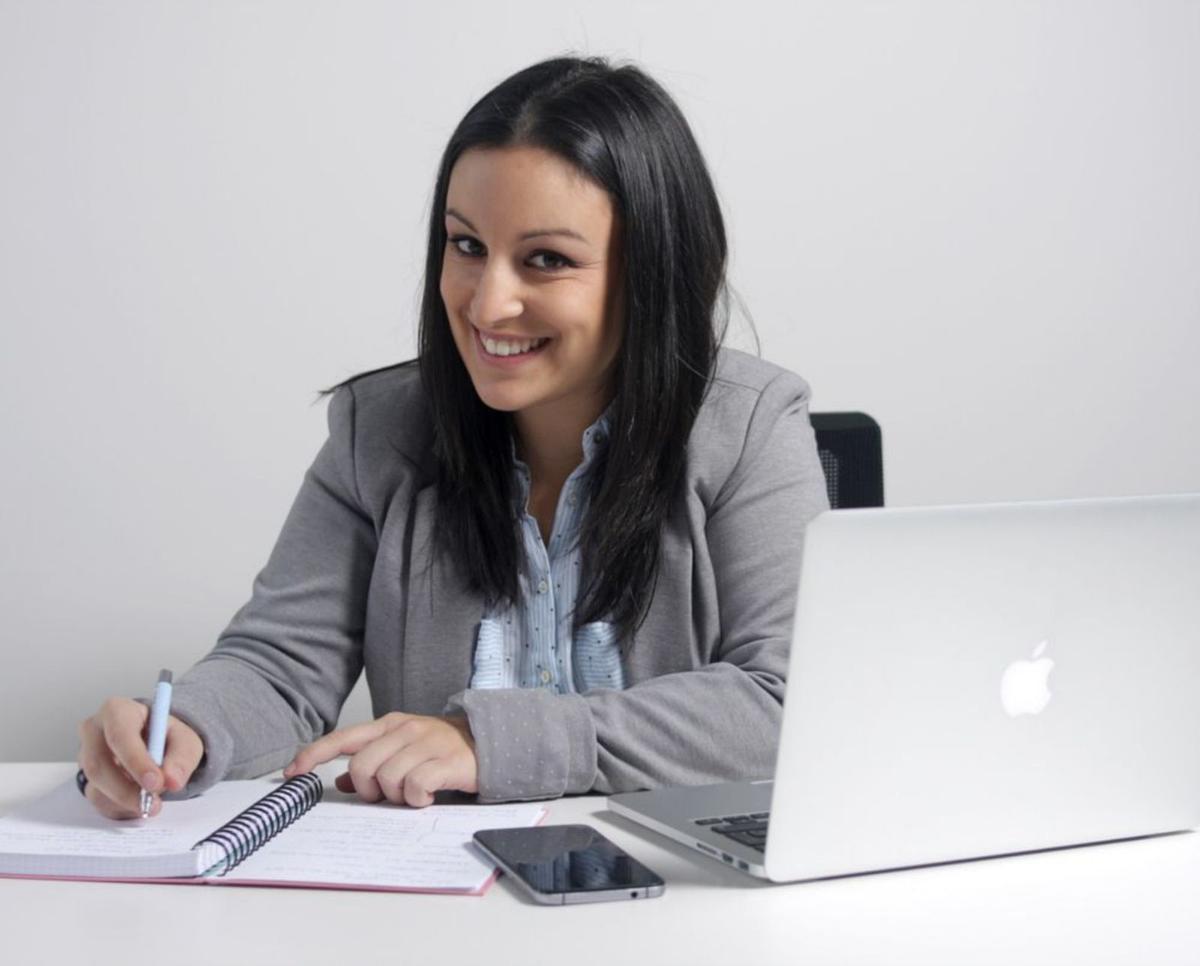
497 295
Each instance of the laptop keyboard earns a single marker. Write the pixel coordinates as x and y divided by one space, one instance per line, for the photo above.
748 829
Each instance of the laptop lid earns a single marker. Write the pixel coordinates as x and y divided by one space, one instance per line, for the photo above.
981 680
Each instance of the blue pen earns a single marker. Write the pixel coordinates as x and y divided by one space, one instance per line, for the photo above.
158 730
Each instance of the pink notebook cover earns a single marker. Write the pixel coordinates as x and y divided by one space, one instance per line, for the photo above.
266 883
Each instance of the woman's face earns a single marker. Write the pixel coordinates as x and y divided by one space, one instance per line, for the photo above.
531 280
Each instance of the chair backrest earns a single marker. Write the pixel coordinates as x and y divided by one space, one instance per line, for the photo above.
851 450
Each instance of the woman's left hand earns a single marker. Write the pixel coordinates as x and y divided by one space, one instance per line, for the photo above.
404 758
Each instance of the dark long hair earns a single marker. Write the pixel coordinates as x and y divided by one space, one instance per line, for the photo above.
622 130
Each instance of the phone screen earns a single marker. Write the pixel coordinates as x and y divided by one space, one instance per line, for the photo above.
569 859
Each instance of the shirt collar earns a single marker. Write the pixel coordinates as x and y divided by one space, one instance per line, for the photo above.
595 437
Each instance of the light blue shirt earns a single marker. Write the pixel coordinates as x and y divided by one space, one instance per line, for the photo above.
533 643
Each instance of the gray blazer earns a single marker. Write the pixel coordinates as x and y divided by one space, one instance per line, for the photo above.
351 584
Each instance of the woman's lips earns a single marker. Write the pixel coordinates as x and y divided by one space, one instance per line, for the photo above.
506 362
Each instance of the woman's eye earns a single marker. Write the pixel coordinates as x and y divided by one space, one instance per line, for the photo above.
546 261
458 241
556 261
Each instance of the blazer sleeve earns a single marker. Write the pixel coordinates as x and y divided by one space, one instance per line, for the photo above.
720 721
282 669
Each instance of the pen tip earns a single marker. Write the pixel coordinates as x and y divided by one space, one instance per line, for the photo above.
164 676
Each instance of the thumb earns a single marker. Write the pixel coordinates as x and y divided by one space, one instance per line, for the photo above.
182 755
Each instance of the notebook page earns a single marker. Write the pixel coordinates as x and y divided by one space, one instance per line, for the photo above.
356 844
61 833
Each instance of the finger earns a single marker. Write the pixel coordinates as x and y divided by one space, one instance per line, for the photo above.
103 772
184 750
105 805
393 776
122 721
110 809
363 767
344 741
425 779
115 810
322 750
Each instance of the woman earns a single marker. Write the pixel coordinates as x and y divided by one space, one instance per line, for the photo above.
564 542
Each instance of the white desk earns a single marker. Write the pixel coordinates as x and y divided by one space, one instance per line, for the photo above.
1134 902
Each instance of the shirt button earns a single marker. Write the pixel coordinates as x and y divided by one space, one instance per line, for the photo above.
545 677
543 586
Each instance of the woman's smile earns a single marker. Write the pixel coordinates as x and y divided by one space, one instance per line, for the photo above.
506 351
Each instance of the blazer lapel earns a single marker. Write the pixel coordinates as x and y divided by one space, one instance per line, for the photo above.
441 619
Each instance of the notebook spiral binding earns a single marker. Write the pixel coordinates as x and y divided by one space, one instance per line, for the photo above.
262 821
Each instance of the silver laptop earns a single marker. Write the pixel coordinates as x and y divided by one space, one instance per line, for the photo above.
972 681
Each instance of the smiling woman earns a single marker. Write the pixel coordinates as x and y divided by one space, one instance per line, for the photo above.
564 541
537 328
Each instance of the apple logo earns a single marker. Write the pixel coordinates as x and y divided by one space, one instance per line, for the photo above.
1023 688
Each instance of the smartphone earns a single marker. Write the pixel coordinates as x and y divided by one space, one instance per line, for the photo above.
564 864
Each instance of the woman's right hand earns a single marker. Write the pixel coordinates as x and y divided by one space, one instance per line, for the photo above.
117 763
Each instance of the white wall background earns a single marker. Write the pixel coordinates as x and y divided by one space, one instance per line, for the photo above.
978 221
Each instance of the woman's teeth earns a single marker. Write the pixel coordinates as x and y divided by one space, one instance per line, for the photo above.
509 348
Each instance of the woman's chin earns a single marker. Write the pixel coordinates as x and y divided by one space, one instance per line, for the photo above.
502 400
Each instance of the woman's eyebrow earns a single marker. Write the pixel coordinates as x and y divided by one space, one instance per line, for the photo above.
538 233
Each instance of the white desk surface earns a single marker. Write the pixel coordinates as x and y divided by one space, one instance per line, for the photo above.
1131 902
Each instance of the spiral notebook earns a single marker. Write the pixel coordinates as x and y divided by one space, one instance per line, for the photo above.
261 832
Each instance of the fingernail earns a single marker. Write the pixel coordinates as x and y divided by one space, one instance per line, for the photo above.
150 781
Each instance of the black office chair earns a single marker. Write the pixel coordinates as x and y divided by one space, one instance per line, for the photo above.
851 450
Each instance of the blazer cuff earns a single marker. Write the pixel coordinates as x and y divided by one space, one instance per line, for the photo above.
529 743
